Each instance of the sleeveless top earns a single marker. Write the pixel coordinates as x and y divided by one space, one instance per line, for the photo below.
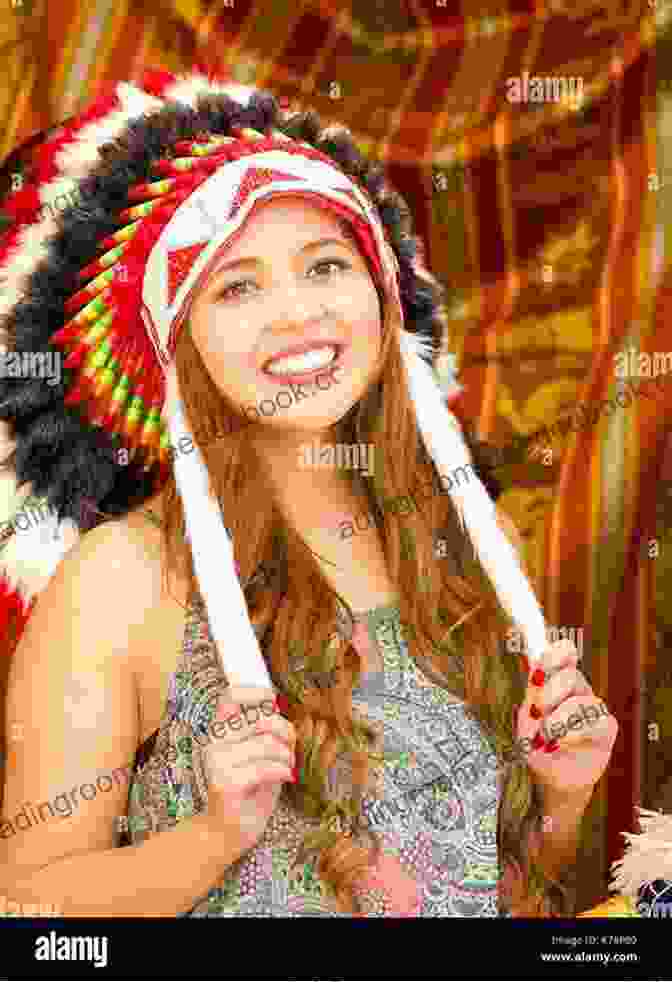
434 801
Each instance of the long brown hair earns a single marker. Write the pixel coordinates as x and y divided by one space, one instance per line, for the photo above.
462 649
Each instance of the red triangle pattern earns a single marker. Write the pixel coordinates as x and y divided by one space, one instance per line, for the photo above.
180 262
256 177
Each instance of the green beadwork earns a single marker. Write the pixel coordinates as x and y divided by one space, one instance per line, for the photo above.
121 391
153 419
102 355
117 253
146 209
98 306
99 329
136 410
108 377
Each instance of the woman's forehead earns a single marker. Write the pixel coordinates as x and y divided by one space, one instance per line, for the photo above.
279 218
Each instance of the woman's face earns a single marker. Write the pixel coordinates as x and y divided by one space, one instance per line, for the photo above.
269 293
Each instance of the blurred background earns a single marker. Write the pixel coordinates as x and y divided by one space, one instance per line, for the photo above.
533 144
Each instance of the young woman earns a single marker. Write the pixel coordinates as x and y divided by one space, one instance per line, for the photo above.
260 304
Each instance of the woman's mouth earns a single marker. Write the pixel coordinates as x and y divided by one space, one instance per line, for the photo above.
305 366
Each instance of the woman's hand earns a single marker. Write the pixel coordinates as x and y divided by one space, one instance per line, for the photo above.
248 762
571 731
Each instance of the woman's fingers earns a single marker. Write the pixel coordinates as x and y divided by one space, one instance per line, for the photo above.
550 683
263 749
558 655
247 713
579 719
567 682
235 698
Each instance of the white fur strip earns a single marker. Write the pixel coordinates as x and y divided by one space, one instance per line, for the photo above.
239 650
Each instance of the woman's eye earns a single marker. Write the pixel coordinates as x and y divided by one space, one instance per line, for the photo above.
339 263
231 290
235 290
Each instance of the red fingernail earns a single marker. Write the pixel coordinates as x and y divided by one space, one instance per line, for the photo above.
535 713
282 702
526 663
538 742
295 775
550 747
538 676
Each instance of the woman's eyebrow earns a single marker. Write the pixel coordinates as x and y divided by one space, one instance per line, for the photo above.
255 260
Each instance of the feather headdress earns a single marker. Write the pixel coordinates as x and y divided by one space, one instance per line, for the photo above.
107 285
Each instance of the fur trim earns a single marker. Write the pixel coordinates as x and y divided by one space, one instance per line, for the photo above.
212 550
647 856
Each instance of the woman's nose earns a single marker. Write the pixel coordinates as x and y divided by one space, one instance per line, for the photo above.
289 304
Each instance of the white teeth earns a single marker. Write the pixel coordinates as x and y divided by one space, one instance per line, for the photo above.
307 362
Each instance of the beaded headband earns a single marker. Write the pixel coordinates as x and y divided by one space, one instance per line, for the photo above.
165 247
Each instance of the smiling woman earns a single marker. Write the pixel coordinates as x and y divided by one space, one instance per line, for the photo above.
256 249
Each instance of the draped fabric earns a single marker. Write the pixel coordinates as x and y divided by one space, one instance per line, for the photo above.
525 142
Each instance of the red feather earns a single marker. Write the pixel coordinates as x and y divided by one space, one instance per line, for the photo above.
155 81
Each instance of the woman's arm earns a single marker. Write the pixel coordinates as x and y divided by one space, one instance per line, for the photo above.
161 877
72 687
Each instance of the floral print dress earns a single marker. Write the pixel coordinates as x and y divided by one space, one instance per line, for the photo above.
434 800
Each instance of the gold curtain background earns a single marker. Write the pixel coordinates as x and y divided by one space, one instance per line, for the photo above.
546 219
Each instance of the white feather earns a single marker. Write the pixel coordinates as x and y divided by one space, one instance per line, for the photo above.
74 162
32 556
187 90
135 101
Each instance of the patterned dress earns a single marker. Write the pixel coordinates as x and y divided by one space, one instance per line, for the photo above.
433 802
